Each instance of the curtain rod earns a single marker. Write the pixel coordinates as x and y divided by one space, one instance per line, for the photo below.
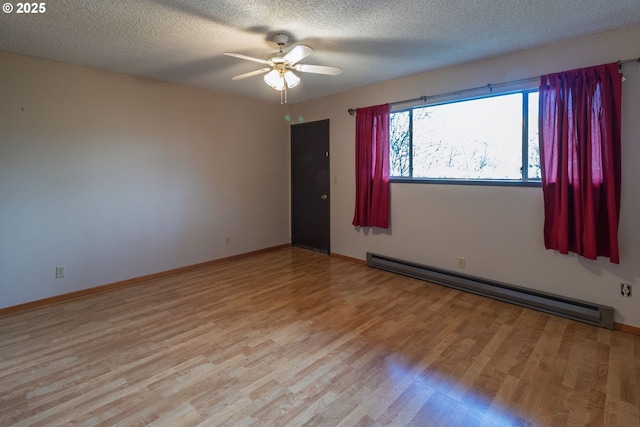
352 111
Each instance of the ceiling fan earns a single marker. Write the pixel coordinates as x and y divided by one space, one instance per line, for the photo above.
281 66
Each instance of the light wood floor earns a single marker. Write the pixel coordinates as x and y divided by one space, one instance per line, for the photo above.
292 337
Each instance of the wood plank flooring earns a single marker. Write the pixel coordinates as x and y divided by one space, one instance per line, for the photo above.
292 337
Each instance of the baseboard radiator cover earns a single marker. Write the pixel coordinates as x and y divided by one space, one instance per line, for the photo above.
581 311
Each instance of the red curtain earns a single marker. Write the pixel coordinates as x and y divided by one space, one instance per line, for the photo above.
580 144
372 167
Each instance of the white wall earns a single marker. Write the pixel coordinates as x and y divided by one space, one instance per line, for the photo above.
497 229
116 177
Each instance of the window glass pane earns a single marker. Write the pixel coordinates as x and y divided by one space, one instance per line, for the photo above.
473 139
533 146
400 143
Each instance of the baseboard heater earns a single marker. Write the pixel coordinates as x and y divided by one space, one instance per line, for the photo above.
582 311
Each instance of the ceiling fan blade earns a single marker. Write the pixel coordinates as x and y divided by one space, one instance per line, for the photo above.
318 69
297 53
251 74
248 58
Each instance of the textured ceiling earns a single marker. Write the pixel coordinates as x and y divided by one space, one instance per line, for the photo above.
183 41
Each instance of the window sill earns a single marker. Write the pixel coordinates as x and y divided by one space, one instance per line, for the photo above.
485 182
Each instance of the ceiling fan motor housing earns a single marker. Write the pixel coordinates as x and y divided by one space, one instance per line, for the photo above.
277 58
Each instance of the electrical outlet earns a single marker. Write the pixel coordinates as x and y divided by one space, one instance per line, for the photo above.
60 272
461 262
625 290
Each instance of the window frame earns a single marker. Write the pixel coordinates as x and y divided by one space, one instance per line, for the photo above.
525 181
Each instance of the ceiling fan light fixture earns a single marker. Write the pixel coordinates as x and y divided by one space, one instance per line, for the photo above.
291 79
274 79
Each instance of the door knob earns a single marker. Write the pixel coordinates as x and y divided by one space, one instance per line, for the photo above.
323 197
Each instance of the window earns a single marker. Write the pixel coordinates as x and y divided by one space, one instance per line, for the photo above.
491 139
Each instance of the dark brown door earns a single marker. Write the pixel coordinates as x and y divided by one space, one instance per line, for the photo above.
310 185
